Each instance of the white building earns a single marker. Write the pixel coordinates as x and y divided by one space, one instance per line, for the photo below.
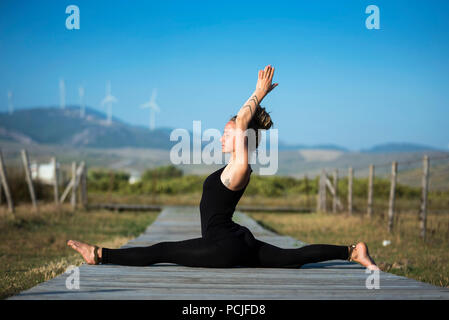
43 172
134 177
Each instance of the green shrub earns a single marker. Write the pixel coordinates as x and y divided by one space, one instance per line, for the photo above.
162 172
107 180
170 180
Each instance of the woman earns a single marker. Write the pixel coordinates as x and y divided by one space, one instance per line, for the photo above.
224 243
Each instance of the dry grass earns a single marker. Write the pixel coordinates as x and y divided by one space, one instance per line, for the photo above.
33 246
407 255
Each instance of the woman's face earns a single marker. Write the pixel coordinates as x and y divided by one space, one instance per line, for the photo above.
227 139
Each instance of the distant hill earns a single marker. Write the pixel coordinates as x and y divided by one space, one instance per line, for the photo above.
399 147
284 146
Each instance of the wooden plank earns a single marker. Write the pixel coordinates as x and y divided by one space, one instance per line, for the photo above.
333 279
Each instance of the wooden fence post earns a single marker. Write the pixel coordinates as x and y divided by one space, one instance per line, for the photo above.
66 191
425 185
369 211
78 179
55 180
319 203
4 181
394 169
26 165
350 191
329 184
318 198
73 197
84 187
74 181
306 187
334 199
323 191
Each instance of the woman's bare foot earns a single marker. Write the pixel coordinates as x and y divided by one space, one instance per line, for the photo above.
86 250
361 255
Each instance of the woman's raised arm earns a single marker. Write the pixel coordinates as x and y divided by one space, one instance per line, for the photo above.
263 87
246 113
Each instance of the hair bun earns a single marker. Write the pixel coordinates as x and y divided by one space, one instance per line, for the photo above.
261 119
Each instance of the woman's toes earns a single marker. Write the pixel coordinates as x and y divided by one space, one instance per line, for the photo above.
373 267
87 251
364 258
73 244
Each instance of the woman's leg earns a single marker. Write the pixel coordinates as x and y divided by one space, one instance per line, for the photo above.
269 256
266 255
197 252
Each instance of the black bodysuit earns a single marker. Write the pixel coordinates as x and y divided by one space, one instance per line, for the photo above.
223 243
217 206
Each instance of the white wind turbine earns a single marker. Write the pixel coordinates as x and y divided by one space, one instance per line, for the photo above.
153 108
10 105
109 100
82 105
62 93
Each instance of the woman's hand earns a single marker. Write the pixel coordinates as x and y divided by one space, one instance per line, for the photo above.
264 84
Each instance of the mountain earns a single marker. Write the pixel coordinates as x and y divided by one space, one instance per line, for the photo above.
56 126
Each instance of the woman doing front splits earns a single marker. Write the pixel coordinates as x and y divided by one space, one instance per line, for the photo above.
224 243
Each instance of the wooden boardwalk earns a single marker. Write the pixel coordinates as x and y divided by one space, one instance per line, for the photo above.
336 279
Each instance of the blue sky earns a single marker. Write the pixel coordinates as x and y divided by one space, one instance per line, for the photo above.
338 81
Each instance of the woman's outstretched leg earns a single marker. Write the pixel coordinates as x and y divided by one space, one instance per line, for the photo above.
270 256
196 252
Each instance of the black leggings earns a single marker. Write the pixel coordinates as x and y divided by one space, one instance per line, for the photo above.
243 250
